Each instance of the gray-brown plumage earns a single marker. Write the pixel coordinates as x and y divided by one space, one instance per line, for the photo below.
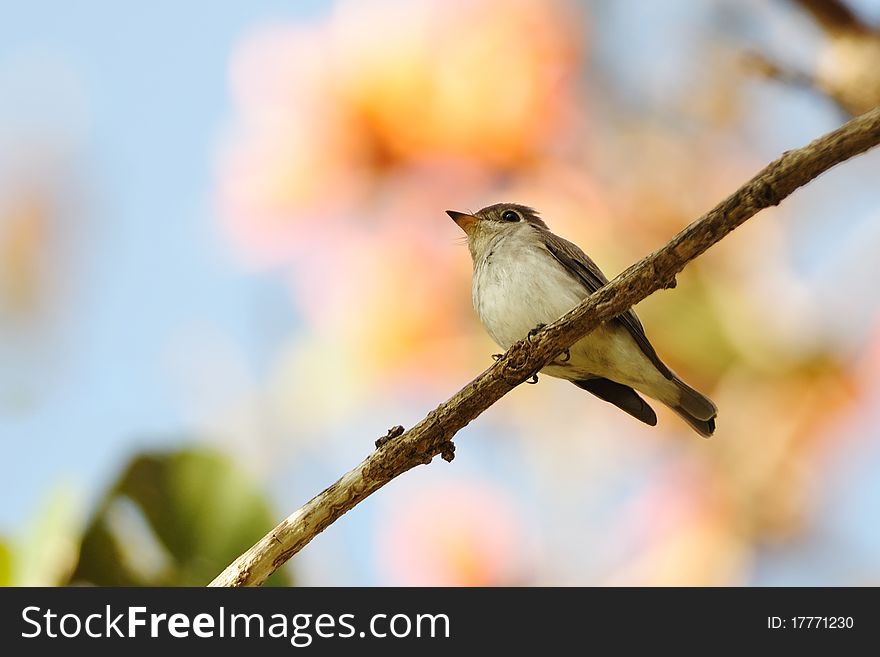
525 276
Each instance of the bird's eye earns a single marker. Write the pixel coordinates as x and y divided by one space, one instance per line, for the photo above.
510 215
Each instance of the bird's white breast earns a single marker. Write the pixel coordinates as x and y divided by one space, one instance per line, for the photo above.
518 285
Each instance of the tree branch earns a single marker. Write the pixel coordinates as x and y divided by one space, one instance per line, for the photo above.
833 16
758 63
400 451
846 70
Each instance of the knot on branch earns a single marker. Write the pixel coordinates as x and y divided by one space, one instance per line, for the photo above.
765 195
666 280
394 432
447 451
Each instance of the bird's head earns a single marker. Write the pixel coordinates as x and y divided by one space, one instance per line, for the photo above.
485 226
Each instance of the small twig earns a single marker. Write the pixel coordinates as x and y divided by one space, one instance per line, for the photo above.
433 434
757 63
833 16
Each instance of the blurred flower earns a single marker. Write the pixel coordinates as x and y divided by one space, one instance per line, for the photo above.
292 155
43 220
327 112
352 136
23 255
457 533
679 533
482 80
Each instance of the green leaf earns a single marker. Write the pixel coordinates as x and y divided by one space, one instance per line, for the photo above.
46 553
5 565
173 519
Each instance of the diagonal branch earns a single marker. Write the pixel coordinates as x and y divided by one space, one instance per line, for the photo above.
400 451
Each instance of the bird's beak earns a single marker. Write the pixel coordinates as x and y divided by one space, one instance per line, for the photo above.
465 221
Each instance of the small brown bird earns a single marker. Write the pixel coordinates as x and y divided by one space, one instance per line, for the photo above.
525 277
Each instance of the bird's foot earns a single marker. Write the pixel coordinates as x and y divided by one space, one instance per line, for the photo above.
534 332
497 357
567 358
533 380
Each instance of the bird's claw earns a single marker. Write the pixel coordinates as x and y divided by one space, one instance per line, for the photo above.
534 331
497 357
533 380
567 358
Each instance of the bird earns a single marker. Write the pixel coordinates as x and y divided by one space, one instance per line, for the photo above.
526 277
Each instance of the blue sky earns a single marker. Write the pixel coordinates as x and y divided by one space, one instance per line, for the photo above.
147 91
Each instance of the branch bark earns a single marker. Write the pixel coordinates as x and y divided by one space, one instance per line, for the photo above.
402 450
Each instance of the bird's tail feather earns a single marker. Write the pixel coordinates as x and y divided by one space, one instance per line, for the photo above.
703 427
695 408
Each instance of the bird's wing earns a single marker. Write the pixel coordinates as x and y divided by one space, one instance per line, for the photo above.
624 397
581 267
